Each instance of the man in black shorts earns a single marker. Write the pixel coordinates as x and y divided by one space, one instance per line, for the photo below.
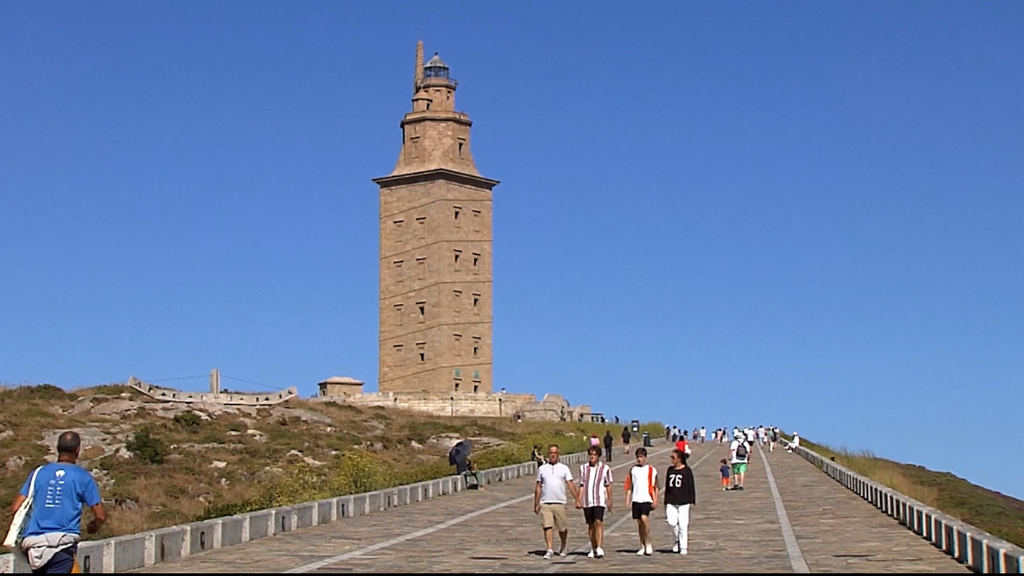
596 496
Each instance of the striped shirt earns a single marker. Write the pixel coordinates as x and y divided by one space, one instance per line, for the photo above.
594 481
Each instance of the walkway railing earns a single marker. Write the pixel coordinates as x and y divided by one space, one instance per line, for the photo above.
970 545
165 544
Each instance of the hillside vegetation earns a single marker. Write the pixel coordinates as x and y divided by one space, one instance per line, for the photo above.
161 464
993 512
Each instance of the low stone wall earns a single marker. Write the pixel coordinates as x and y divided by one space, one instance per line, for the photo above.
166 544
493 405
228 398
972 546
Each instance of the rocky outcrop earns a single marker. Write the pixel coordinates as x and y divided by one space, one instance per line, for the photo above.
304 415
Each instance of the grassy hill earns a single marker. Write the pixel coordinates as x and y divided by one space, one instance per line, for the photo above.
159 464
993 512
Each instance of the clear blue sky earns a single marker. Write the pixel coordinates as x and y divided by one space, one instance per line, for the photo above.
808 214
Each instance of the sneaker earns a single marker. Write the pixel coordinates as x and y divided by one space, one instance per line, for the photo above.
549 554
563 552
675 547
649 550
590 554
641 551
599 552
739 487
683 551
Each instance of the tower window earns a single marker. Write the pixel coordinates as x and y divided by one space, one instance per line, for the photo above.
460 149
398 270
476 375
414 148
398 314
421 226
476 259
458 253
475 388
421 351
398 349
422 306
476 220
456 386
398 230
421 268
476 346
458 373
457 209
457 295
476 303
458 344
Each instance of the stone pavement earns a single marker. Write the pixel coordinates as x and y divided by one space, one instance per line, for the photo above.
829 529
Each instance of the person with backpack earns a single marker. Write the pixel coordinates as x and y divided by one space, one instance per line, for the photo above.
609 441
740 450
625 439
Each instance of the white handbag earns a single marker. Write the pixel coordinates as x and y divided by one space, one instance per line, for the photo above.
13 538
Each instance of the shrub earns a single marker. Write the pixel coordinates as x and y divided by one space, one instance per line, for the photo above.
190 420
146 447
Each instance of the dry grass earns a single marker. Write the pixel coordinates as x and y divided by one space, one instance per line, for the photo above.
993 512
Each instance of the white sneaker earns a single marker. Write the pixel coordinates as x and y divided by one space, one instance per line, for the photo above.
599 552
590 554
649 550
675 547
549 554
563 552
641 551
683 552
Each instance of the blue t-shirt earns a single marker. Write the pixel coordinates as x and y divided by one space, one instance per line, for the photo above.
61 489
725 471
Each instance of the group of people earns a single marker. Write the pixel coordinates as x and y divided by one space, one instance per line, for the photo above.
592 493
674 434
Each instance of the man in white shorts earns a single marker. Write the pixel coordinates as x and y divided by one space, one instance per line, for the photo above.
549 500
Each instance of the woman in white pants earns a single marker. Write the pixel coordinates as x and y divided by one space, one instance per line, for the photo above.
680 496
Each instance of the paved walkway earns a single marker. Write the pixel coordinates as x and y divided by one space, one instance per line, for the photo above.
828 529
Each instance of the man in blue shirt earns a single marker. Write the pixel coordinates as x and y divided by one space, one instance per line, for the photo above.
53 528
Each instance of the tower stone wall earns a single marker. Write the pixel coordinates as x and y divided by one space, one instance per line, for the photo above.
435 250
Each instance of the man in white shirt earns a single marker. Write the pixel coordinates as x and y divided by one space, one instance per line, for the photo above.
549 500
596 495
642 496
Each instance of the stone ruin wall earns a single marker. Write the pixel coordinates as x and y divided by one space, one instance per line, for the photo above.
228 398
492 405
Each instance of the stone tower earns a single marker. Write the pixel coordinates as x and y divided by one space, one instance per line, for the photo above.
435 249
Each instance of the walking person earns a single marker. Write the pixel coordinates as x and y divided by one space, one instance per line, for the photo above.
609 442
625 439
680 497
58 491
740 450
642 497
596 490
549 500
725 473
